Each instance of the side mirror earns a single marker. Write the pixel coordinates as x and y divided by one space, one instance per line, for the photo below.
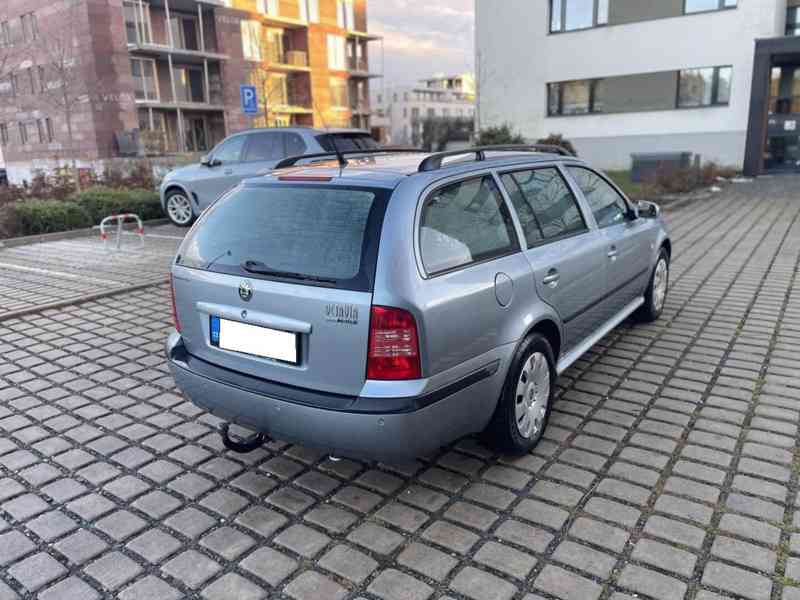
649 210
208 161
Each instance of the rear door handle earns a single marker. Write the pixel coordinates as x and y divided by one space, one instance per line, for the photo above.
612 254
552 278
228 171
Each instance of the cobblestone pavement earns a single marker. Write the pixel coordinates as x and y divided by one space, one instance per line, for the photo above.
38 274
669 469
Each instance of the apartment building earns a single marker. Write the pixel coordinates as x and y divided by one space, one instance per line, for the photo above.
720 78
160 77
400 111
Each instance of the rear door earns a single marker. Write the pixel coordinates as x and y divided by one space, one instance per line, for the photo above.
565 252
627 239
224 174
265 148
320 242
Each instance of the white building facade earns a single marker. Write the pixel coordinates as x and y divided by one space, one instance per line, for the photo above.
400 111
618 77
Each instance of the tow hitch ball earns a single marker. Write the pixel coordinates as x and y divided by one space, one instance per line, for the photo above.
244 446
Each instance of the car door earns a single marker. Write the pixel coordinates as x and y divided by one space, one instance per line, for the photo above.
266 148
565 251
222 172
476 275
627 239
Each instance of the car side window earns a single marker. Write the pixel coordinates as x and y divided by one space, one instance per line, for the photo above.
544 203
230 150
464 223
267 145
608 207
295 145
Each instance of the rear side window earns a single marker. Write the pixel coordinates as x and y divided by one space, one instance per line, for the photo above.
464 223
544 203
303 233
264 146
608 207
294 145
346 142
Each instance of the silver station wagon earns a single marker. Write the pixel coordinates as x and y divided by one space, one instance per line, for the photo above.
383 304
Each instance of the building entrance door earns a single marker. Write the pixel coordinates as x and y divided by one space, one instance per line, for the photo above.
782 150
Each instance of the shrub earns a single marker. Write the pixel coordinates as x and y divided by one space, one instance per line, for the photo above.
557 139
498 136
48 216
100 202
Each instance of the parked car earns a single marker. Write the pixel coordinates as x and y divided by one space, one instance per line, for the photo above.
389 307
187 191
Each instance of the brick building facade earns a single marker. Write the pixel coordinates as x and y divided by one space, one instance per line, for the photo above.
162 77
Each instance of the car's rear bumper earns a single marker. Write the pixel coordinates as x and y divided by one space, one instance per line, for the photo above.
341 426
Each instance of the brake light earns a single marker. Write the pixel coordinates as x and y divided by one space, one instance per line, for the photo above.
175 319
393 352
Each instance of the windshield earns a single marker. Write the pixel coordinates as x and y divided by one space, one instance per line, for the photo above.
309 234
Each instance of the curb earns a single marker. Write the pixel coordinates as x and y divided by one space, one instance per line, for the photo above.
64 235
82 299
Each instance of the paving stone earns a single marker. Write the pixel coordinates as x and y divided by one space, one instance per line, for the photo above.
192 568
518 533
450 536
157 504
738 581
584 558
427 561
113 570
506 559
349 563
191 522
665 557
121 525
36 571
232 585
750 528
154 545
563 584
599 534
303 540
743 553
674 531
394 585
376 538
471 515
480 585
651 583
81 546
269 565
150 588
685 509
13 545
51 525
310 585
612 511
263 521
71 587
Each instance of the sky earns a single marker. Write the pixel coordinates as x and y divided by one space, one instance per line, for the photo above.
422 38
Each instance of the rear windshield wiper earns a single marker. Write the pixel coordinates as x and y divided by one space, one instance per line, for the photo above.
259 268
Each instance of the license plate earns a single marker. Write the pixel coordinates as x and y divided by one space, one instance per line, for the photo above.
254 339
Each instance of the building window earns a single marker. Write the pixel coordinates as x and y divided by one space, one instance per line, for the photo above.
5 34
30 28
31 79
23 133
338 92
185 32
42 79
664 90
570 15
793 21
144 79
269 7
40 130
693 6
3 134
251 40
137 23
189 84
345 14
704 87
309 11
336 53
48 123
14 84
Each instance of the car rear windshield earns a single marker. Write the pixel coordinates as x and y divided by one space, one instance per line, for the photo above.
346 142
305 234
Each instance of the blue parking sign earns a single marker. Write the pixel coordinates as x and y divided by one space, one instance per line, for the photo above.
249 99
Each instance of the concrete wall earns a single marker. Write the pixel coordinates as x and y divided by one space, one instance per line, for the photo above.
517 57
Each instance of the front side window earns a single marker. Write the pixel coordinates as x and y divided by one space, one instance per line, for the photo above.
693 6
544 203
464 223
230 150
608 207
704 87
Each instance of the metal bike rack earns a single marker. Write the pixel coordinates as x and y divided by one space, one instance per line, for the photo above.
120 219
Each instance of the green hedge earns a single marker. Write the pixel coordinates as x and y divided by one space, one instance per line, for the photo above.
101 202
48 216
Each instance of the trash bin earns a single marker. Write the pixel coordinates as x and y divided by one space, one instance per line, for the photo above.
647 165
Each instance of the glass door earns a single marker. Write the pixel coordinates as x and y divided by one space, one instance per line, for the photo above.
782 152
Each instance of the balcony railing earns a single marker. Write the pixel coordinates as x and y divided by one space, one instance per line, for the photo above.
358 64
291 58
359 105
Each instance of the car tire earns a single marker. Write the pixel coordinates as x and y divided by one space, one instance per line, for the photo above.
655 297
525 403
178 207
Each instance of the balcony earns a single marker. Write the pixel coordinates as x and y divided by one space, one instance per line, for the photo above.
290 104
359 67
360 106
287 61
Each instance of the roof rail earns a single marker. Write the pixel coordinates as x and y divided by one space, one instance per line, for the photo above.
434 161
293 160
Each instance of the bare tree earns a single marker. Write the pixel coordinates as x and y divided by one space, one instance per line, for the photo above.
66 86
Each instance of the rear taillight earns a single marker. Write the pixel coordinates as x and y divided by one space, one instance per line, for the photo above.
393 345
175 319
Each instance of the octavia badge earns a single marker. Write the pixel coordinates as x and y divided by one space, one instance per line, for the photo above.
245 291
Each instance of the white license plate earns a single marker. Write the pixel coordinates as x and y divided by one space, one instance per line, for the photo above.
258 341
